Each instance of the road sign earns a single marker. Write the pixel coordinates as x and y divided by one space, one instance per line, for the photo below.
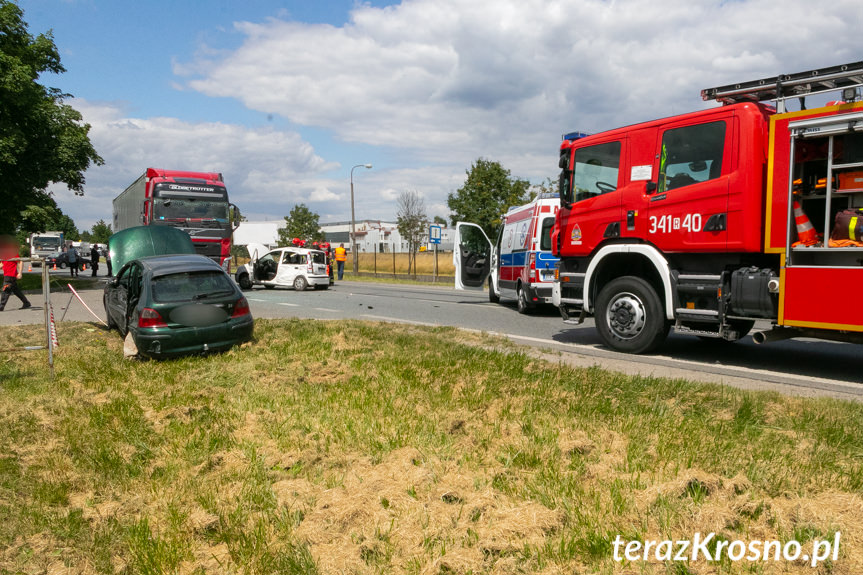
434 234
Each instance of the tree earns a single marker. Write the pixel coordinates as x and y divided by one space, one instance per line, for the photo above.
441 221
412 222
100 232
42 139
301 223
548 187
488 192
46 216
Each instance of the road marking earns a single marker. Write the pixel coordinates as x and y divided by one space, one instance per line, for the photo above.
326 309
666 361
435 301
289 304
255 299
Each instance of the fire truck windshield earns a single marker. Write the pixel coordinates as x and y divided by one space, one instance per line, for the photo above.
186 213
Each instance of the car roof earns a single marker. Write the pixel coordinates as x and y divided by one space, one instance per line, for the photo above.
294 249
161 265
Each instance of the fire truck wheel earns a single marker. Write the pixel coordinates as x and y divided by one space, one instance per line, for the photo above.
629 316
300 283
245 282
523 305
492 297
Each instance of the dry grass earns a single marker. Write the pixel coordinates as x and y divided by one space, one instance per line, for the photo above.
385 263
353 447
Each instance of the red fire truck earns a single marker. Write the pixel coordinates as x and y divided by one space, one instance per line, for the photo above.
196 202
712 220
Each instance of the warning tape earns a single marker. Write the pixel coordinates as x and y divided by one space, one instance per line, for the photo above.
85 305
54 341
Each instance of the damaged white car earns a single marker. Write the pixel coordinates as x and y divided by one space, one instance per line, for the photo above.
291 266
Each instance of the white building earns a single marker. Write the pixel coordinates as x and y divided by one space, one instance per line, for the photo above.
377 235
266 233
371 235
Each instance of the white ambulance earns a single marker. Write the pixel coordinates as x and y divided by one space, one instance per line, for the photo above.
519 265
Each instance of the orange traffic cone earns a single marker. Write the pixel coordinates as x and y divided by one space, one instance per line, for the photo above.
84 266
29 266
55 267
805 232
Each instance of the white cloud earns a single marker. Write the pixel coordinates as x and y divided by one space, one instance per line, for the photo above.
453 80
440 83
266 171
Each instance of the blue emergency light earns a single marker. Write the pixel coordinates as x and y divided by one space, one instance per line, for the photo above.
575 135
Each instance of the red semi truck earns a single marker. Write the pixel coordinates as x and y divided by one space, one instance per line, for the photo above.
709 221
196 202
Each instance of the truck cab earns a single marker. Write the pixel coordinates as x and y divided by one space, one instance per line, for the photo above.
699 221
519 265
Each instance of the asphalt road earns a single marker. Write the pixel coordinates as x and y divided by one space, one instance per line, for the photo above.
793 366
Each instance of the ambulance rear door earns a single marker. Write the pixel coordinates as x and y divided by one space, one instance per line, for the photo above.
472 257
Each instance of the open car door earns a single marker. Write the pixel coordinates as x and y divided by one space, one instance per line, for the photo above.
266 267
471 256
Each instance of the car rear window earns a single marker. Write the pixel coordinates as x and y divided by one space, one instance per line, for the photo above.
190 286
319 257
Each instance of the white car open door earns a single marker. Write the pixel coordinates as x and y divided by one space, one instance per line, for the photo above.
256 251
472 256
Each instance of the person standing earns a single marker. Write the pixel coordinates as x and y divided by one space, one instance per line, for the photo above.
94 259
108 262
341 257
72 256
12 272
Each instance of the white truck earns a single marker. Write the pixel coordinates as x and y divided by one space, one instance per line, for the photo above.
44 244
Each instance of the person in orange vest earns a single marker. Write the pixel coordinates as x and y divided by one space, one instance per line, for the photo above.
341 257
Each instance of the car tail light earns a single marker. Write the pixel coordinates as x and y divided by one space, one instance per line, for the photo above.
531 270
241 308
150 318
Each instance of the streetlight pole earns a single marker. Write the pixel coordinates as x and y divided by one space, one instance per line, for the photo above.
354 254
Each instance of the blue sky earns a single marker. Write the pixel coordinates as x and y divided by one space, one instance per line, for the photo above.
284 97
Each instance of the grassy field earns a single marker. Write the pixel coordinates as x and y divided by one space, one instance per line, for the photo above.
59 282
424 266
350 447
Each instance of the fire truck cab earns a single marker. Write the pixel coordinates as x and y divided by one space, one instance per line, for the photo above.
519 265
693 221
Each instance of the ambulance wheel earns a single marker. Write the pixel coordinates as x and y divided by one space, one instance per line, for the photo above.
630 317
523 305
492 297
300 283
245 282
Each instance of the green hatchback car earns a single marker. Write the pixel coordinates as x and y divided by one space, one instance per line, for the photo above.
177 305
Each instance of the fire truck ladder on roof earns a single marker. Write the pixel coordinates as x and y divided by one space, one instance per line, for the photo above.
786 86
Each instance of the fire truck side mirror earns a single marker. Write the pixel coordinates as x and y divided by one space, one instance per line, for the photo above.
650 188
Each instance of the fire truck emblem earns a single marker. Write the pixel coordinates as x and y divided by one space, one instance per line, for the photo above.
575 237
